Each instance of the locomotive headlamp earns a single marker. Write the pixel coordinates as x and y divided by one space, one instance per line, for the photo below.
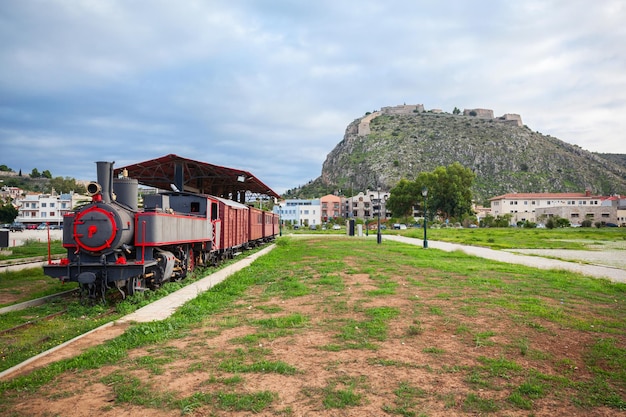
93 188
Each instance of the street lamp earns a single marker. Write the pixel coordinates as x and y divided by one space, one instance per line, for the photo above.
425 194
379 237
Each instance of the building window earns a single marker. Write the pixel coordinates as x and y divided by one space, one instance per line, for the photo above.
605 215
574 215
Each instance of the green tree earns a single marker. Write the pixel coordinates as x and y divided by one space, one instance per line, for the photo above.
35 173
8 213
449 193
65 185
5 168
46 174
402 198
456 110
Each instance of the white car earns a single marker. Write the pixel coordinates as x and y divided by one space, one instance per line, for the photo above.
336 227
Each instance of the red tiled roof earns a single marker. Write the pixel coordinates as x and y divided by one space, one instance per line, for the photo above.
543 196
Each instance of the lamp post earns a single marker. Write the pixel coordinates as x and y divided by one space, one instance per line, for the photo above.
379 237
425 194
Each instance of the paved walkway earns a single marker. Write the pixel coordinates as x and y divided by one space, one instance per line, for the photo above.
613 274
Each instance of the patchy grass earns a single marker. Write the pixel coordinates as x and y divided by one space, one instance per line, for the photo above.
304 330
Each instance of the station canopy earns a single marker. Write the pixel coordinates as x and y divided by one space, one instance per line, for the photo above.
182 174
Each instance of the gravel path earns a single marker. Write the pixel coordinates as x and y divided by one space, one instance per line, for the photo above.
615 272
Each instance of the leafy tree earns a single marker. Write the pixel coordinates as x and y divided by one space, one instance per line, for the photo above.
456 110
65 185
35 173
403 197
46 174
449 193
8 213
5 168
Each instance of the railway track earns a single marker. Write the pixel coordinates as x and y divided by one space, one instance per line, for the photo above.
37 301
25 263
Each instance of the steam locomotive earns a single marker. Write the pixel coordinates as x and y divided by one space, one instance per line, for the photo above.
113 244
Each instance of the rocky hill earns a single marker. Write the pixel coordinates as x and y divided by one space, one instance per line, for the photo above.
380 149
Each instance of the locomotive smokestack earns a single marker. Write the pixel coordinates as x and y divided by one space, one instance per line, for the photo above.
105 179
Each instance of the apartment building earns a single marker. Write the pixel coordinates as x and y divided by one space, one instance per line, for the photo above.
299 212
331 207
366 206
575 207
43 208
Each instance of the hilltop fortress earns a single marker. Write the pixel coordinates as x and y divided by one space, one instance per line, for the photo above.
364 124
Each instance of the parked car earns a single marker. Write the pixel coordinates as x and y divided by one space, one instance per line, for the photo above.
42 226
17 227
336 227
611 225
31 226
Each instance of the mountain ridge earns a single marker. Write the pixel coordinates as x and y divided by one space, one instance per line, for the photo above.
505 155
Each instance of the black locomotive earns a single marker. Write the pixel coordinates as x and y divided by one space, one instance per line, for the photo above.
112 243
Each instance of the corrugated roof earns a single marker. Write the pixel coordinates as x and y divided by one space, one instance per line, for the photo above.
196 176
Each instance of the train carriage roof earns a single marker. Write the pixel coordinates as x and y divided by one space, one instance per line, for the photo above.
194 176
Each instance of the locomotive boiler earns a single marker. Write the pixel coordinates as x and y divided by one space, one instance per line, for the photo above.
111 243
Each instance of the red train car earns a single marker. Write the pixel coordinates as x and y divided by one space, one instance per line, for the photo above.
256 225
232 228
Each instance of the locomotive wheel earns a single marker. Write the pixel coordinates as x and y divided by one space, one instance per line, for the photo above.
131 284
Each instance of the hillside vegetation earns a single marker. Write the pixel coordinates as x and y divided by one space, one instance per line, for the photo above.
506 158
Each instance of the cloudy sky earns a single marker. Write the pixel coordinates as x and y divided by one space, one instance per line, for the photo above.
269 86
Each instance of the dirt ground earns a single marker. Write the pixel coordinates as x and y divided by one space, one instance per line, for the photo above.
426 366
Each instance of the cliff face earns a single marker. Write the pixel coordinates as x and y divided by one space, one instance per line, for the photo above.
506 157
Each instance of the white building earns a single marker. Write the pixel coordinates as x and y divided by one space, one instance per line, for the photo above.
299 212
575 207
43 208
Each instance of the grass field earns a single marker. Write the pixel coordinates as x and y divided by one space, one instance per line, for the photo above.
347 327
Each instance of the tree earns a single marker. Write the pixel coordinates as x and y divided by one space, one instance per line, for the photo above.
402 198
456 111
35 173
8 213
65 185
449 193
46 174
